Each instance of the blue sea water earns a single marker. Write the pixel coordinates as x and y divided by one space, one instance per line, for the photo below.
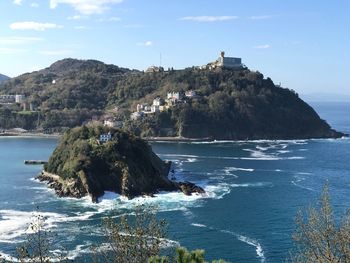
254 190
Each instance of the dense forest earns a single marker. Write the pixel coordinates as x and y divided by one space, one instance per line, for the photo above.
231 103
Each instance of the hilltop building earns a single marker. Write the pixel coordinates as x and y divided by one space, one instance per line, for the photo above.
228 62
153 69
224 62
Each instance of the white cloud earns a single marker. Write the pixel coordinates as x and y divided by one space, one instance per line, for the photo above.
77 17
111 19
86 7
55 52
208 18
34 5
33 26
259 17
17 2
11 51
145 44
19 40
263 46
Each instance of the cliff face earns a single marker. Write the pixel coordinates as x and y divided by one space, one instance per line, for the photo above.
126 165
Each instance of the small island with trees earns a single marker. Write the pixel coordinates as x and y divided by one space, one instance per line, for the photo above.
90 160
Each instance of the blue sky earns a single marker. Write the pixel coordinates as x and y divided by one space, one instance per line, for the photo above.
302 44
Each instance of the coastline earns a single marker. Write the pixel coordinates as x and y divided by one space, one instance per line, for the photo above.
30 134
164 139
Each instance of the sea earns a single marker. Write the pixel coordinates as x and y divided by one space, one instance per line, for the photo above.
254 190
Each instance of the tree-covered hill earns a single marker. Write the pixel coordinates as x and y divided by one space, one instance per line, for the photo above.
66 94
231 104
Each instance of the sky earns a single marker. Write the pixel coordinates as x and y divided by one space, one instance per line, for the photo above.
302 44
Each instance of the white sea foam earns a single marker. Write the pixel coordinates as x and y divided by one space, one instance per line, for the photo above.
7 257
232 169
295 158
258 184
304 173
192 160
259 155
14 224
283 151
198 225
267 158
165 201
255 243
179 155
262 148
250 241
297 180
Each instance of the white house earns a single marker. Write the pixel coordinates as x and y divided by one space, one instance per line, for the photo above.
190 94
105 137
19 98
158 102
154 108
112 123
174 96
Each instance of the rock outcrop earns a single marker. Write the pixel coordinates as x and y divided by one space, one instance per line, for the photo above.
83 165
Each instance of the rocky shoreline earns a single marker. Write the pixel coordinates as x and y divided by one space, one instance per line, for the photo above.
73 188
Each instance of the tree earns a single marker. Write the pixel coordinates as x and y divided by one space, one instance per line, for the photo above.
134 239
318 238
39 245
184 256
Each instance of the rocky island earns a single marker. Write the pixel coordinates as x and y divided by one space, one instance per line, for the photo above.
92 160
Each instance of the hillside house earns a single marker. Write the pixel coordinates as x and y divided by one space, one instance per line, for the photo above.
19 98
105 137
158 102
113 123
190 94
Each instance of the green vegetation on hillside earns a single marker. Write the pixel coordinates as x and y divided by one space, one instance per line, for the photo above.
125 164
231 104
67 93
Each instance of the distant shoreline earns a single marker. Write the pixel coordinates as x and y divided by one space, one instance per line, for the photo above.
30 135
152 139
